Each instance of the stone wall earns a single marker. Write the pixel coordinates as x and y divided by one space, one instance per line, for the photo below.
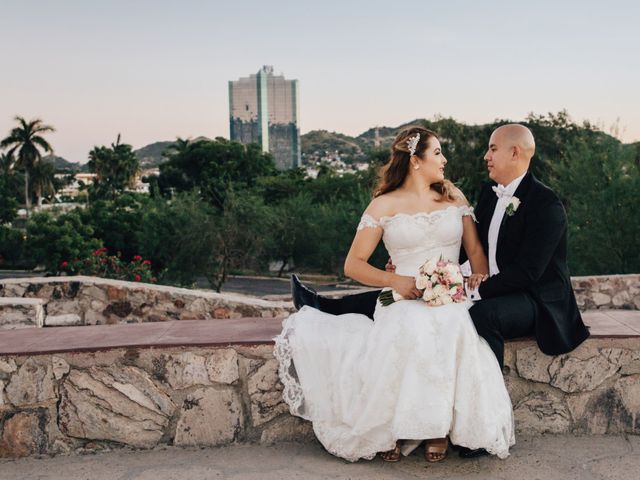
213 396
607 292
96 301
142 398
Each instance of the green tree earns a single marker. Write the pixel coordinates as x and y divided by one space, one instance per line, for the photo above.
50 241
26 139
8 204
115 167
116 222
599 184
212 167
291 232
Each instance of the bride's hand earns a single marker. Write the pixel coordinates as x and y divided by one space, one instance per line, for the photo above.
475 279
406 286
390 267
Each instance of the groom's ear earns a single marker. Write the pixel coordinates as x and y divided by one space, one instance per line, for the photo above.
516 151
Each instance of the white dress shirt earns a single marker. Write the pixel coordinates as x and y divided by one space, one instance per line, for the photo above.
494 229
496 221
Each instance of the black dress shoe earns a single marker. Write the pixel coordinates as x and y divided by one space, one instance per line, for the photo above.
302 295
465 452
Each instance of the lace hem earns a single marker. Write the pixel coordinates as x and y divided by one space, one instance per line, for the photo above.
466 210
292 392
367 221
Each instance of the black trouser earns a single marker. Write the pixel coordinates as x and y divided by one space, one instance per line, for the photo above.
504 317
364 303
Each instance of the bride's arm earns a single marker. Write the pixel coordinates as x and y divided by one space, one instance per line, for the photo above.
473 246
356 265
471 241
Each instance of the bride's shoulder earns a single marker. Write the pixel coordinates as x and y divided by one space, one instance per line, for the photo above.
382 206
459 199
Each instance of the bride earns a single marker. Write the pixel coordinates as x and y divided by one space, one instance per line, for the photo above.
417 372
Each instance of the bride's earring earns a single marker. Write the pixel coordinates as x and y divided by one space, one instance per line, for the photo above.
416 167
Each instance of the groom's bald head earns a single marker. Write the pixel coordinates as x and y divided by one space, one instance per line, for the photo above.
518 136
511 148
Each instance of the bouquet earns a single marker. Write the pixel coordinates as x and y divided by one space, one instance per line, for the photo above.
440 281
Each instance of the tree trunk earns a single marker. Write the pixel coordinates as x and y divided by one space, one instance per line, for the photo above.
27 197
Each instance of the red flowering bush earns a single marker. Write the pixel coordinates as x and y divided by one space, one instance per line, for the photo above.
100 264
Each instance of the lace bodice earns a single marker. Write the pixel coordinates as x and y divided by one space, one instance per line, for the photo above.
412 239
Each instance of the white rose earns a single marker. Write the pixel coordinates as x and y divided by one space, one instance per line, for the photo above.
457 278
452 269
434 279
430 266
421 282
439 290
446 300
453 290
515 201
428 295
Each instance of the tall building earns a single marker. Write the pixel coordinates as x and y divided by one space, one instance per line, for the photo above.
263 109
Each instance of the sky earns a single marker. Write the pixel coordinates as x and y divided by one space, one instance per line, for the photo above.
156 70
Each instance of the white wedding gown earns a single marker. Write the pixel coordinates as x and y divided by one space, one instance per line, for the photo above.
417 372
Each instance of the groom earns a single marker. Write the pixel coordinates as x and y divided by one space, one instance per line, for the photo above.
523 229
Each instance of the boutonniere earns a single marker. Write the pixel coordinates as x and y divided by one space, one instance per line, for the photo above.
512 206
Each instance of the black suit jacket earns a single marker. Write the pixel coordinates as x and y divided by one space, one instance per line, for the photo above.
532 257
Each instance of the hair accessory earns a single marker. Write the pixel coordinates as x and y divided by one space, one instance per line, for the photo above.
412 143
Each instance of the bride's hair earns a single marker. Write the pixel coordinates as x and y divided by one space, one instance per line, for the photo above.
394 172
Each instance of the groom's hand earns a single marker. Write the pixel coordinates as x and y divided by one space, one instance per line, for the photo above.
390 267
475 279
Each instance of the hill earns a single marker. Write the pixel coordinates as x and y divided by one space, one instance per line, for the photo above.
150 155
62 165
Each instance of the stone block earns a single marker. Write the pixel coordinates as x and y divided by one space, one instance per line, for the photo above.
287 429
60 367
532 364
120 404
21 313
265 392
7 366
65 320
62 307
209 417
95 293
542 412
33 384
222 366
628 390
23 435
571 374
184 370
600 299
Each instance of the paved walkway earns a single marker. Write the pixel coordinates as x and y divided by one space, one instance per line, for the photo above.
242 331
540 458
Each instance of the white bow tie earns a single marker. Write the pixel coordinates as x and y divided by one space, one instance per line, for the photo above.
501 191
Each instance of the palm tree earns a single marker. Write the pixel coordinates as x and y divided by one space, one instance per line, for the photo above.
26 139
116 168
6 164
43 180
180 146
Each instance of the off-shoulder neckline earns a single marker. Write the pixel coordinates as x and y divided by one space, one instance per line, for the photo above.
423 214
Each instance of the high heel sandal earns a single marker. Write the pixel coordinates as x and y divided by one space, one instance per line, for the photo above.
435 449
392 455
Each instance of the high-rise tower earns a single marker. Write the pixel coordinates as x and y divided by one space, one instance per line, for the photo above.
264 109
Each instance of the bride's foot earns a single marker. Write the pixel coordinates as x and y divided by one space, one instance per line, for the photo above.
392 455
435 449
